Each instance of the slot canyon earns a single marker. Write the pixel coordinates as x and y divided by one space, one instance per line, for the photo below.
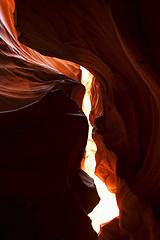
49 187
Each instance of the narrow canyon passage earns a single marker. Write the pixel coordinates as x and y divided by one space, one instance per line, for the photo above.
42 46
107 208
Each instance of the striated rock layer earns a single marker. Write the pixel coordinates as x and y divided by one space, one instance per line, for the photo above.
43 134
118 42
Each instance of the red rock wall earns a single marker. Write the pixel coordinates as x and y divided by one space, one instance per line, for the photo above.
43 134
118 42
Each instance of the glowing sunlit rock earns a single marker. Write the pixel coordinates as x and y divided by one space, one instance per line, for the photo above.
107 208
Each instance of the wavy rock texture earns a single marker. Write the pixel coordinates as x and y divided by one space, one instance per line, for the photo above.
118 42
43 134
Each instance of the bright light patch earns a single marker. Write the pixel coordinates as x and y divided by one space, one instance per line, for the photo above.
107 209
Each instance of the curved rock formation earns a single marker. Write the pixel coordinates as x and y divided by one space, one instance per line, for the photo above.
43 137
40 158
118 42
